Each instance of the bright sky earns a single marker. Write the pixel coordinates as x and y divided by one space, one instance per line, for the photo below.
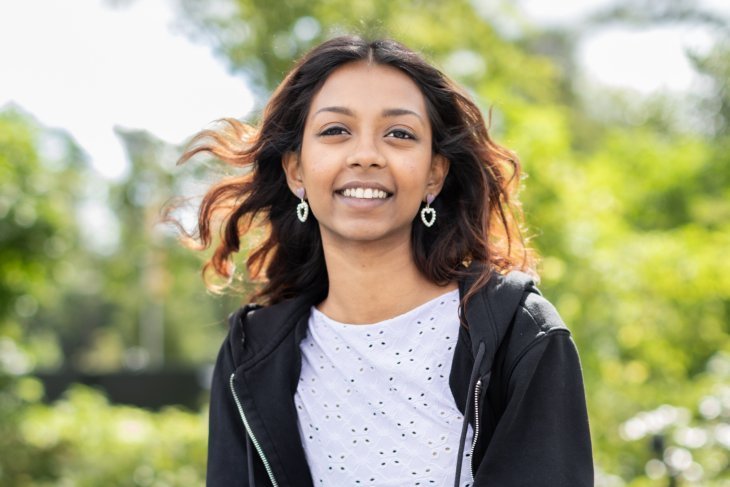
646 60
85 67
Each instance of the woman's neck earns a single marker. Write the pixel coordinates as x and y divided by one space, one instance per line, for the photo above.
369 284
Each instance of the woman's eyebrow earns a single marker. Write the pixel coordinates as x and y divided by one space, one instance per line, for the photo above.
396 112
335 109
388 112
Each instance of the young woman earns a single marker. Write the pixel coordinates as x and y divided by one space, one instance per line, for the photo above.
402 341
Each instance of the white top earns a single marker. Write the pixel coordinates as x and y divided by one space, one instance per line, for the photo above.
374 402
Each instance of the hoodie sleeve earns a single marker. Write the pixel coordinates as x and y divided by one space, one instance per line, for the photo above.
226 437
542 436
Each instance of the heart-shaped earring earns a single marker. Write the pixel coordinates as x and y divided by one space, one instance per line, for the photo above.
303 206
428 214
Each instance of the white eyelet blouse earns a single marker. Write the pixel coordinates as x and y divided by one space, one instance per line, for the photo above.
374 403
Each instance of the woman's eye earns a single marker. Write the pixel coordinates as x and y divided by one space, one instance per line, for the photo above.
401 134
333 131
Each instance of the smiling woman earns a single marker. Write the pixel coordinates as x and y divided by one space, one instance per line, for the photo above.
401 338
367 135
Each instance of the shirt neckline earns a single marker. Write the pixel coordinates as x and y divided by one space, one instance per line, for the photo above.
405 316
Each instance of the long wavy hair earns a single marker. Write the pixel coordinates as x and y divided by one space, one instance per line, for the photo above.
479 219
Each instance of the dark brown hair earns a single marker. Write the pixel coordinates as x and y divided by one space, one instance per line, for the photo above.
478 213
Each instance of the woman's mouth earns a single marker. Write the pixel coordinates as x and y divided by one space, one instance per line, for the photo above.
364 193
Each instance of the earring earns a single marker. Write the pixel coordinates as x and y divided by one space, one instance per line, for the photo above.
303 206
428 214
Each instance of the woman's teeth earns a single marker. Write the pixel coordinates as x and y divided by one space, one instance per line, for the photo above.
366 193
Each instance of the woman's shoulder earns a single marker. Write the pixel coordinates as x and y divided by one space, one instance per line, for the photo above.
537 323
254 330
516 295
536 329
523 314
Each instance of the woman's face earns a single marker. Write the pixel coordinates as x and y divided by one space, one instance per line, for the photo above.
366 162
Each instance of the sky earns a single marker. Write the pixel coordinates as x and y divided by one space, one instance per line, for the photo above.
87 67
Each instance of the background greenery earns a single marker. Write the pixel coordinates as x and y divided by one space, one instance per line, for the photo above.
628 200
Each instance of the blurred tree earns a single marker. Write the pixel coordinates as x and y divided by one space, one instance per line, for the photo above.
645 13
40 186
73 274
260 39
172 319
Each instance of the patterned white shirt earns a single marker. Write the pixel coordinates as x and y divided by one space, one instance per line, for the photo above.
374 403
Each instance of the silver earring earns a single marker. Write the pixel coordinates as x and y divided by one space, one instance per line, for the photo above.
428 214
303 206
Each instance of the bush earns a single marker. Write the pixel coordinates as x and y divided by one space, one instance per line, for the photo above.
82 440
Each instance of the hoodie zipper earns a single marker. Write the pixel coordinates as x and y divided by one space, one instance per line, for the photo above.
255 442
477 390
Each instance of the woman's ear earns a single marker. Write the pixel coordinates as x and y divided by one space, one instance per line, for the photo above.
437 175
292 170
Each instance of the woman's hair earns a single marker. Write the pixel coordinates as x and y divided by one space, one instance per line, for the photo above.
478 213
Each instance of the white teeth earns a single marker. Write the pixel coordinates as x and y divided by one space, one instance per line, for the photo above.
364 193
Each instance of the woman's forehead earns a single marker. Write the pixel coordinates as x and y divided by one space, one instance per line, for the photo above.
362 87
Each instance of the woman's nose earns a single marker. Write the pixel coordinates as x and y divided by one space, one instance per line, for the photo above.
366 154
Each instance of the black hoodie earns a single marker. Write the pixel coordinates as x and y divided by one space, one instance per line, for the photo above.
515 376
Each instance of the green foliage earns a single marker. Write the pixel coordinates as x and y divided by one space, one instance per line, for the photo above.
689 445
37 205
261 39
66 302
82 440
88 293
